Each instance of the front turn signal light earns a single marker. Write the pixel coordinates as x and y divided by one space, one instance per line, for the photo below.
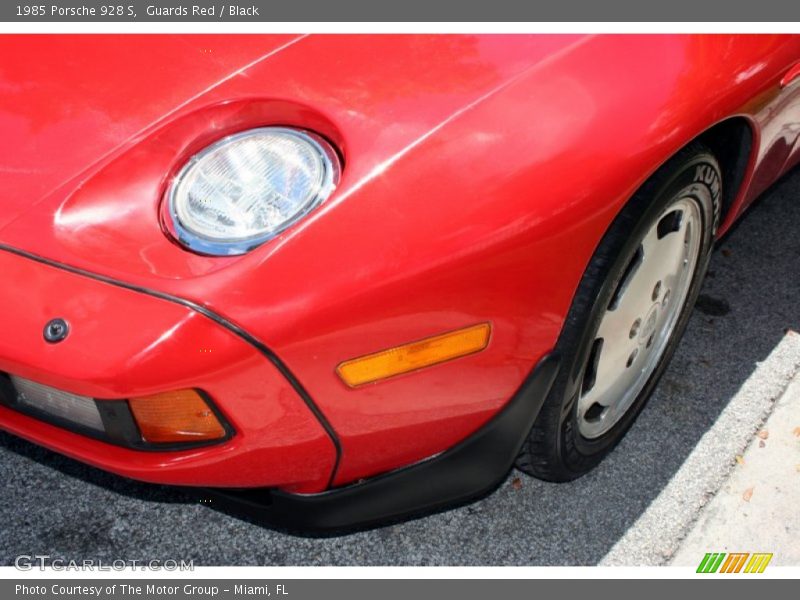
179 416
416 355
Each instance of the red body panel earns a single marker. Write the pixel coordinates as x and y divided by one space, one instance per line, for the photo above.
124 344
480 172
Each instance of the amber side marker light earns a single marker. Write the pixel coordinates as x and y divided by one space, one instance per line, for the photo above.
416 355
179 416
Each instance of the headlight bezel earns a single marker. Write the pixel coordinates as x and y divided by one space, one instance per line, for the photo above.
190 240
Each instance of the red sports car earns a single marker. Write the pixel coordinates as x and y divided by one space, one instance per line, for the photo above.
339 280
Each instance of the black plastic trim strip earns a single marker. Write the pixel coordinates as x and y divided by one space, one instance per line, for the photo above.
219 320
119 423
465 472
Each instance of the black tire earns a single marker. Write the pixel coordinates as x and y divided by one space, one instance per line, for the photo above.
555 449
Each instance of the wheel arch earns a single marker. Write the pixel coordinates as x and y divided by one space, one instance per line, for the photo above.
732 141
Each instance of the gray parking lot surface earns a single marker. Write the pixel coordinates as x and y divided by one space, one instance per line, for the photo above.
53 505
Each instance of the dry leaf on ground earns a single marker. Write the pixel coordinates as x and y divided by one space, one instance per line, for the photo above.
748 493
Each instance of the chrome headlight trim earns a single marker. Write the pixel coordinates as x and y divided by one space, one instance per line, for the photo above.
189 238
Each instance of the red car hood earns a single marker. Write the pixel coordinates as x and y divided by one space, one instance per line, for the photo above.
93 126
67 101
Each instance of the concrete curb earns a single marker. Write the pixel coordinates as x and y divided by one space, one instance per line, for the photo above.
656 535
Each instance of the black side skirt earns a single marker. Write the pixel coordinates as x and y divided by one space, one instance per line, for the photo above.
465 472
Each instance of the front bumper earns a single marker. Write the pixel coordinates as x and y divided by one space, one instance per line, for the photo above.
463 473
279 463
124 343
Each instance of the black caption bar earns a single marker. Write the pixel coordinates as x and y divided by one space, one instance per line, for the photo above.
350 589
33 11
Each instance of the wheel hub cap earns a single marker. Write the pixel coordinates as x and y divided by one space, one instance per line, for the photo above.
650 324
638 322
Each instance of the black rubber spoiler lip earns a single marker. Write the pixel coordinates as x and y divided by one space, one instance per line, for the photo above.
465 472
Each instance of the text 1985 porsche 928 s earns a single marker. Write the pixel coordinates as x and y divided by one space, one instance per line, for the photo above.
339 280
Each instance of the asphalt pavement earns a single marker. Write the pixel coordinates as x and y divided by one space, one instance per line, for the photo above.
52 505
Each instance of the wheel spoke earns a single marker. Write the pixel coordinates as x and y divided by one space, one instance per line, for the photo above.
613 359
616 322
636 295
673 248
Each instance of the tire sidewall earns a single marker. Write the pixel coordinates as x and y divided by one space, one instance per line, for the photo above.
697 177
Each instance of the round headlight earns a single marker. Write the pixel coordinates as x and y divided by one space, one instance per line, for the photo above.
247 188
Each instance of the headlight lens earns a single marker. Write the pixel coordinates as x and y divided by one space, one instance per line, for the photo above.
247 188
